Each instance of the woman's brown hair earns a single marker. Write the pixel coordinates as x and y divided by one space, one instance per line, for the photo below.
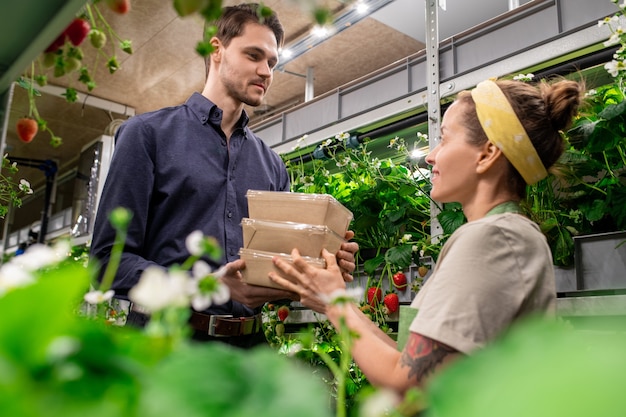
545 110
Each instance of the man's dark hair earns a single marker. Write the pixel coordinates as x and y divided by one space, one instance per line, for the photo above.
234 18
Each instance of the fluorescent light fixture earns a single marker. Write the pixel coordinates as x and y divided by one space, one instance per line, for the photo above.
341 22
361 7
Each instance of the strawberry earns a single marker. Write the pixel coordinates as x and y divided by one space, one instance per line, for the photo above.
399 280
26 129
374 295
77 31
187 7
56 44
283 313
392 302
119 6
422 270
97 38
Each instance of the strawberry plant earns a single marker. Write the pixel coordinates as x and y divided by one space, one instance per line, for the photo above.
65 58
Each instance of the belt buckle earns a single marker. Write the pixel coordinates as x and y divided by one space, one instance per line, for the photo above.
212 323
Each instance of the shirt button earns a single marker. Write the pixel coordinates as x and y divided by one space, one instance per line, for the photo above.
229 214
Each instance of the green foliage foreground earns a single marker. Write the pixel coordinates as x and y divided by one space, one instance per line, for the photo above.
539 369
56 362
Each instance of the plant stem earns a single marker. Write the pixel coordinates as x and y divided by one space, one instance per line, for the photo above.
114 259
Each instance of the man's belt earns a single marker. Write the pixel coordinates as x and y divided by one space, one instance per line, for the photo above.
226 325
219 325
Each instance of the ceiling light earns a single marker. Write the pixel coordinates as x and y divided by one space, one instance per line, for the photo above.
341 22
286 53
361 7
320 31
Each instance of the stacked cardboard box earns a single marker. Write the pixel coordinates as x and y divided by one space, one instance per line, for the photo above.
281 221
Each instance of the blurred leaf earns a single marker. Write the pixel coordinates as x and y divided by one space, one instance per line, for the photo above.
539 369
233 383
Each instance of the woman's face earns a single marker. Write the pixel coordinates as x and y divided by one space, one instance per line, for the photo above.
453 160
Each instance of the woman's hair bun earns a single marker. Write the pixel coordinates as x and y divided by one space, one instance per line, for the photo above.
562 100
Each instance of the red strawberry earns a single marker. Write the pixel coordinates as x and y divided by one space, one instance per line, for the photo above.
283 313
56 44
392 302
422 270
119 6
374 295
77 31
399 280
26 129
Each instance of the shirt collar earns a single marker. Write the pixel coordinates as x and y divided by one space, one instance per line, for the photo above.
207 111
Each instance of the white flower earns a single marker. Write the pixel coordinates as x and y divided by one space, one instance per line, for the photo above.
98 297
614 67
25 186
205 287
524 77
414 248
13 276
326 143
379 404
157 290
406 238
392 142
608 21
193 243
39 255
342 136
422 136
61 347
615 37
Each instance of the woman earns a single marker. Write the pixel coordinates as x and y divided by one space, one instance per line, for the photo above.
493 270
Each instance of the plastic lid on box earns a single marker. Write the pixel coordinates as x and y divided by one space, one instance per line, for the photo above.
308 208
283 237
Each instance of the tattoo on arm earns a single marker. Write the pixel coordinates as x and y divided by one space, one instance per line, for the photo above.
422 355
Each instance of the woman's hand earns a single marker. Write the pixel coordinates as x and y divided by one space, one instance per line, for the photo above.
313 285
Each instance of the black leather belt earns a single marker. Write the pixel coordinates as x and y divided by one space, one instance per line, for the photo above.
220 325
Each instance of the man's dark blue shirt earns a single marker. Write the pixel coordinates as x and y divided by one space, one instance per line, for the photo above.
174 171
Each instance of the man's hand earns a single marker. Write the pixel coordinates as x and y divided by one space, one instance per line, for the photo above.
250 295
346 257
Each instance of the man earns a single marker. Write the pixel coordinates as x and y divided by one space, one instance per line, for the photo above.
187 168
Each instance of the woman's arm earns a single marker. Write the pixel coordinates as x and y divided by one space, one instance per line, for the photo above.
373 350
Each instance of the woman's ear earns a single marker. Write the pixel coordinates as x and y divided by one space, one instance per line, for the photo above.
488 157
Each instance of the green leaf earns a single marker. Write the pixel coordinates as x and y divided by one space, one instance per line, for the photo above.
450 220
399 256
596 211
216 380
613 110
539 369
370 265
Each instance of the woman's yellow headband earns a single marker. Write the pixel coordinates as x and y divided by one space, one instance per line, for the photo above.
504 130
